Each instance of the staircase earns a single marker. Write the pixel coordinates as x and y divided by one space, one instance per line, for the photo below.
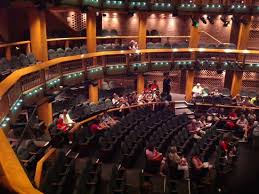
181 107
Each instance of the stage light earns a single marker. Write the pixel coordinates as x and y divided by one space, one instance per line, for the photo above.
203 20
210 19
131 13
225 21
244 21
195 23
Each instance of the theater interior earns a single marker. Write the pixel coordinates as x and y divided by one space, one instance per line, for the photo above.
129 96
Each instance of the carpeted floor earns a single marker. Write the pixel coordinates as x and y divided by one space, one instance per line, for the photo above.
244 178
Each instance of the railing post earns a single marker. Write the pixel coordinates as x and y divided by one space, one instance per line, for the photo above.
8 53
28 48
67 44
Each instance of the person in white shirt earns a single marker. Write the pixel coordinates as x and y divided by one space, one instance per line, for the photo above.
197 90
66 118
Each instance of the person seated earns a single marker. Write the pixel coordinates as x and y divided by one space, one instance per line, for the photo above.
246 102
229 150
152 154
195 129
181 162
233 115
237 100
98 126
201 168
154 86
66 118
106 118
212 114
215 92
251 117
141 98
197 90
256 128
203 123
222 114
255 100
133 45
242 123
62 126
116 100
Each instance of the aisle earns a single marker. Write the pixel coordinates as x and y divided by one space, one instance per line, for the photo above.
244 178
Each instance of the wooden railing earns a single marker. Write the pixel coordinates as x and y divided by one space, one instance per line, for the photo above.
14 176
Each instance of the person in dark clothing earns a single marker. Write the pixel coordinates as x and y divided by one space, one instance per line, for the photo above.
166 84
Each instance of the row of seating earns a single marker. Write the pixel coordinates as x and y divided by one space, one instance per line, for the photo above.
82 111
60 52
59 176
89 179
16 62
29 154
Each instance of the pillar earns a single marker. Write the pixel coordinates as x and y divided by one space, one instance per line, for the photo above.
8 53
236 83
140 83
91 31
193 43
38 34
243 37
45 113
93 93
142 35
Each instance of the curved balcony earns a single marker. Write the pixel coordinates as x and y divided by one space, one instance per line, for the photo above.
42 77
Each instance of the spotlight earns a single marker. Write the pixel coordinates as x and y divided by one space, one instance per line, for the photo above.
131 13
195 23
225 21
84 9
104 14
210 19
203 20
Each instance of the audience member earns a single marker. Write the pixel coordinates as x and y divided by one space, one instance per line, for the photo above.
197 90
106 118
201 168
203 123
255 100
194 128
154 86
246 102
153 154
66 118
133 45
62 126
242 123
97 125
216 92
237 100
180 161
251 117
115 99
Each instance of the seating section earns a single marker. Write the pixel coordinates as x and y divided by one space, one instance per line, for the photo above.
16 62
29 154
59 177
90 179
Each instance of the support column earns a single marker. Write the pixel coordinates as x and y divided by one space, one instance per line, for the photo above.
91 31
142 35
193 43
243 37
45 113
93 93
38 34
140 83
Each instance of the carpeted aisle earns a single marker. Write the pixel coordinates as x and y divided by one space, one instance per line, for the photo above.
245 176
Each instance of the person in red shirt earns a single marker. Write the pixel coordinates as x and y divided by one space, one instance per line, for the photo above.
97 125
154 86
61 125
153 154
